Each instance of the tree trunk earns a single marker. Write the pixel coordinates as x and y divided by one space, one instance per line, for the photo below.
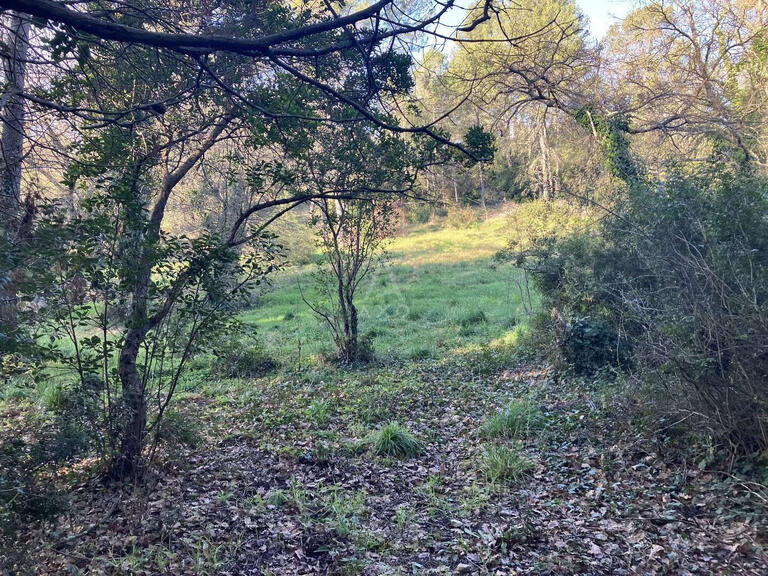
127 463
12 213
482 188
12 143
455 187
352 332
547 179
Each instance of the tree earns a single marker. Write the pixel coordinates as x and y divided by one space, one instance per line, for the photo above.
481 143
14 215
14 72
350 234
373 167
683 69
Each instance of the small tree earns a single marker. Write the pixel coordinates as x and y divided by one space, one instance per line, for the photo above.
82 325
356 172
350 235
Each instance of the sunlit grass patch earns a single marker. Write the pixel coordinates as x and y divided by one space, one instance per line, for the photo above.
428 244
439 290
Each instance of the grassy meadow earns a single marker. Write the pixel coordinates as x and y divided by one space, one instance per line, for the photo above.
436 291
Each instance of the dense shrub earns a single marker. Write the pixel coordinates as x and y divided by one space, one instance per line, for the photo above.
67 427
588 344
418 213
678 274
365 349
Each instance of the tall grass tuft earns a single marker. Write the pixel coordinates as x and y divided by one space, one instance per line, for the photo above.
395 440
501 464
516 420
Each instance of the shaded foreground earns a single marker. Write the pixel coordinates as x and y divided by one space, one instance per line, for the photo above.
295 488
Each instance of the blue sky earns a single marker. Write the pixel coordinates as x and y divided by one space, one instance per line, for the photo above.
603 13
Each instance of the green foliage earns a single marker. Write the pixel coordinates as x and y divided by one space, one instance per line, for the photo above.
509 177
471 321
438 274
612 133
376 403
22 498
530 224
503 464
319 412
480 143
589 344
675 285
28 457
419 213
516 420
350 232
461 217
88 267
233 358
395 440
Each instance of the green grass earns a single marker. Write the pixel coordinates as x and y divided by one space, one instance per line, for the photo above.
516 420
342 510
437 293
503 464
319 412
395 440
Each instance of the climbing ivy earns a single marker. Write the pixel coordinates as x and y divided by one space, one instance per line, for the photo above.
612 134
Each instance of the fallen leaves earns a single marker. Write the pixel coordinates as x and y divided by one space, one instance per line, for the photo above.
596 503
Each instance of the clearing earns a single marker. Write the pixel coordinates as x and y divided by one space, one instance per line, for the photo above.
509 468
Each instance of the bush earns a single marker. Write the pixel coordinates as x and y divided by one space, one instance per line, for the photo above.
588 344
419 213
19 491
27 459
76 421
540 221
681 274
461 217
365 350
395 440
